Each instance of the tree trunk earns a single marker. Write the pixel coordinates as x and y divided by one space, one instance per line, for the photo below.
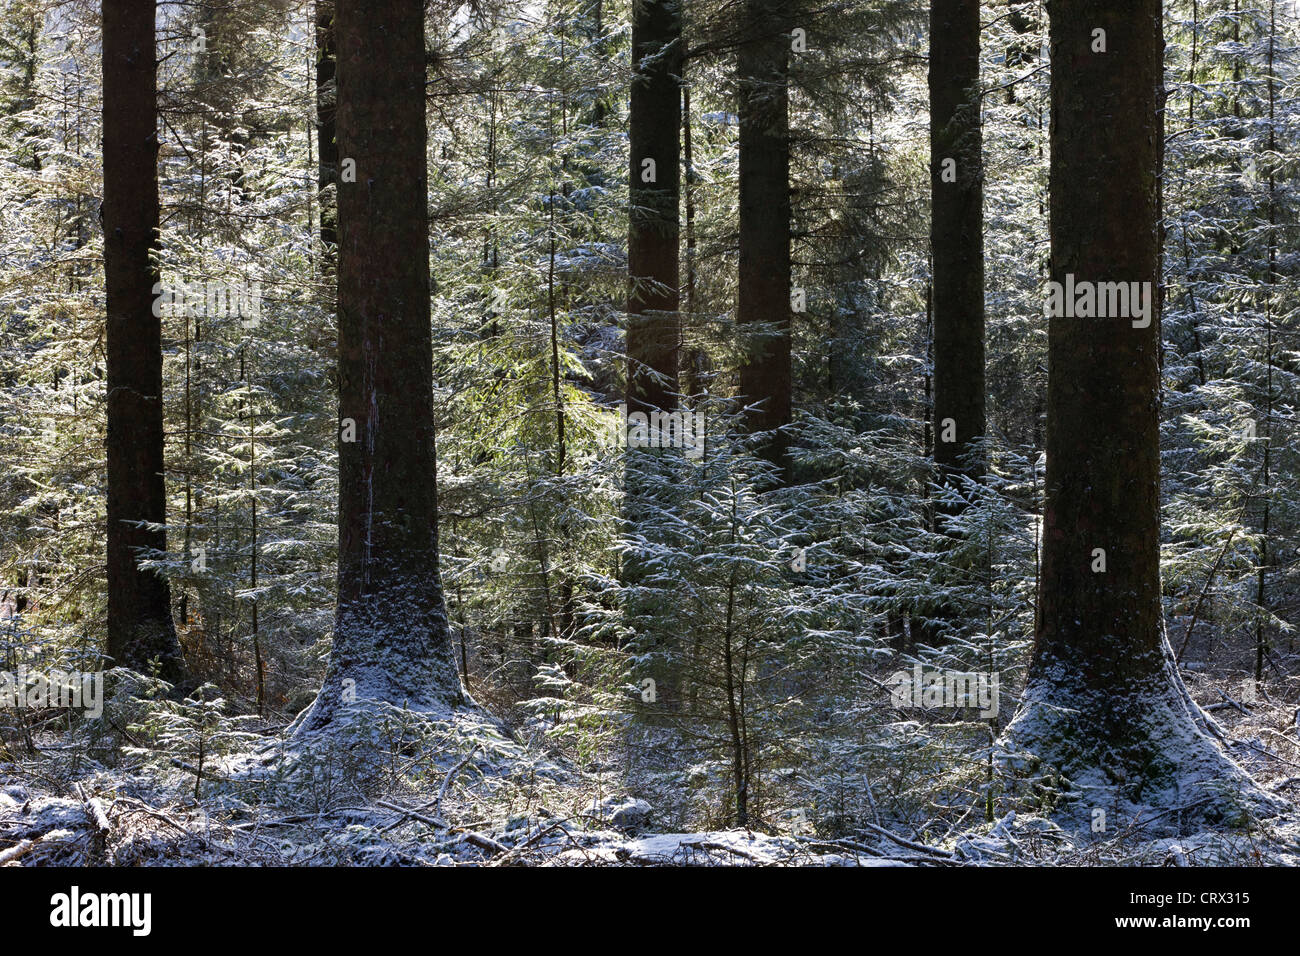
326 143
1105 709
957 234
141 632
957 250
763 299
694 357
653 323
391 638
653 319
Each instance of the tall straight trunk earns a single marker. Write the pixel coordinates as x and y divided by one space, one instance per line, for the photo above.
1105 708
694 357
654 117
653 319
326 144
391 638
1103 464
763 299
141 632
1261 635
957 234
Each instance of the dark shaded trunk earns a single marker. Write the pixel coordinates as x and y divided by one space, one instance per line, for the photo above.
653 320
957 250
653 323
763 298
392 641
1103 463
957 235
326 143
141 632
1105 708
694 357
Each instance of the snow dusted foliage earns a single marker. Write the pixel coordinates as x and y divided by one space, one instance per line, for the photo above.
516 727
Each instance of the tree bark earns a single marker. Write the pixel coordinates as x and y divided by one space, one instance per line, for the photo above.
392 642
141 632
1105 708
763 299
957 255
957 235
653 321
326 142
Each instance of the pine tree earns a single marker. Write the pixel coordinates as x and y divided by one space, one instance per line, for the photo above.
763 304
391 638
653 324
141 633
1104 709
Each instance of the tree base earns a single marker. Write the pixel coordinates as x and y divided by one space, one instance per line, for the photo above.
344 695
390 657
1147 760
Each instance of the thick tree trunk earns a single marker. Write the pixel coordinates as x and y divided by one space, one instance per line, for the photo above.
141 632
1105 709
763 300
653 323
653 319
957 252
957 234
391 638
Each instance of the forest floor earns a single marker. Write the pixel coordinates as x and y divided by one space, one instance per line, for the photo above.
389 787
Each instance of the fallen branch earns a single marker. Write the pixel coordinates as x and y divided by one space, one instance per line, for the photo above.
875 854
206 775
414 815
708 846
485 843
20 849
908 844
159 815
95 811
1229 702
455 771
523 847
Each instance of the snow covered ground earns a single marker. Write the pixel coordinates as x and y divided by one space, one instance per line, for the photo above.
388 787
